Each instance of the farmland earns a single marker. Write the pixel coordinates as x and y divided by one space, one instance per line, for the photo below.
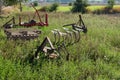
95 57
68 8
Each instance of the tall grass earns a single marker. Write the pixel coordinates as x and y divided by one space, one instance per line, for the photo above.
95 57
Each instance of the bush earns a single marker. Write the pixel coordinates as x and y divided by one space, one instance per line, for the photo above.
44 8
70 4
110 4
51 8
35 3
116 10
106 10
79 6
54 7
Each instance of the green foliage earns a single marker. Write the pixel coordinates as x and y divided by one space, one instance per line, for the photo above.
35 3
70 4
44 8
106 10
79 6
10 2
110 4
53 7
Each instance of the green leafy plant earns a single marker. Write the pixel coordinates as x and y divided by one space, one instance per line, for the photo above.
79 6
35 3
110 4
53 7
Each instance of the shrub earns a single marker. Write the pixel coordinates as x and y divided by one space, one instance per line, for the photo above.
110 4
54 7
70 4
44 8
106 10
116 10
35 3
79 6
51 8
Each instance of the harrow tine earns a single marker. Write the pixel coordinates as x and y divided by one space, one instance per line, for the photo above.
55 36
62 36
66 51
66 40
63 48
69 33
59 35
76 36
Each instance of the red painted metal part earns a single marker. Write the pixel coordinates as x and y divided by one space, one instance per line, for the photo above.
40 23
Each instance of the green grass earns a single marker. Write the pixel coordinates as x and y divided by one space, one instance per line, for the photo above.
95 7
95 57
92 8
64 8
68 8
27 8
60 8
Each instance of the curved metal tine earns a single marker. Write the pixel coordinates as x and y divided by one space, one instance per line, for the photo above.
73 37
62 35
63 49
55 36
76 36
59 37
59 51
66 40
66 29
69 35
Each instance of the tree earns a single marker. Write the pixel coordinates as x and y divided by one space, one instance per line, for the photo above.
110 4
79 6
10 2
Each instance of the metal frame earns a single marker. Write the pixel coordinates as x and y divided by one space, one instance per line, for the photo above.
40 23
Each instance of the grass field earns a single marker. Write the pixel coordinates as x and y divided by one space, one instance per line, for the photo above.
95 7
95 57
68 8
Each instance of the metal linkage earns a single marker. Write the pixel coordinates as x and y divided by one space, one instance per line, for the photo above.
8 24
33 22
69 37
49 51
79 26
